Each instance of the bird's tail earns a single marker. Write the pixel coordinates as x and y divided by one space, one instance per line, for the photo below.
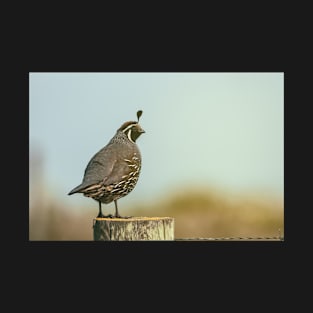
85 188
77 189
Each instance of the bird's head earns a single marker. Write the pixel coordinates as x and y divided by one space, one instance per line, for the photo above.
132 129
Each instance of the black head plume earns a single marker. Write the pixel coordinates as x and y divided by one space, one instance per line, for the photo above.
139 113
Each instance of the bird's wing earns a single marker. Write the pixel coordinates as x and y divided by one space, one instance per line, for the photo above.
100 166
119 172
97 170
107 166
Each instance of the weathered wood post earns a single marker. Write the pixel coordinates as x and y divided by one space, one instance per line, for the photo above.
134 228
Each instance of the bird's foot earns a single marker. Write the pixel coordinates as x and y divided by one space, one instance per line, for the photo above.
113 216
119 216
105 216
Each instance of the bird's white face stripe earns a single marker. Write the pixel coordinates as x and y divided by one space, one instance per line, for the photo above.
129 135
128 127
128 130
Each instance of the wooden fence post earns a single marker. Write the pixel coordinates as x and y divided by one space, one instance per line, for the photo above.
134 228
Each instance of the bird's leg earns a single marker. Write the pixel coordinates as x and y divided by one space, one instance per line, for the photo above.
100 212
116 212
116 209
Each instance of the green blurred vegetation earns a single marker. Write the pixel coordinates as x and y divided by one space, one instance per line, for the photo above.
197 212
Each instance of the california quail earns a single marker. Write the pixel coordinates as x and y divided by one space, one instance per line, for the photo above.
113 172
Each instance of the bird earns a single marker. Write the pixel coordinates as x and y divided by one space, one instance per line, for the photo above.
113 172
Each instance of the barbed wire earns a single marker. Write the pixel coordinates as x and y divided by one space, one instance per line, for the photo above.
279 237
230 238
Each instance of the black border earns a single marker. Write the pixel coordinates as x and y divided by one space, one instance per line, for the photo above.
227 58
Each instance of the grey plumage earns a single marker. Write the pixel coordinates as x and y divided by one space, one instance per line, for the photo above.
113 172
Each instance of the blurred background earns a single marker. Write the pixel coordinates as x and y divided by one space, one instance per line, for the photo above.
212 154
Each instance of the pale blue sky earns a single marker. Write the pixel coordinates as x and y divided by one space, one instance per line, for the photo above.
211 129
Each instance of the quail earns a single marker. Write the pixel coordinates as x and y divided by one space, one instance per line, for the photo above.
113 172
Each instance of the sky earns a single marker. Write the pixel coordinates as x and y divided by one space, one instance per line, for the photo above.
224 130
